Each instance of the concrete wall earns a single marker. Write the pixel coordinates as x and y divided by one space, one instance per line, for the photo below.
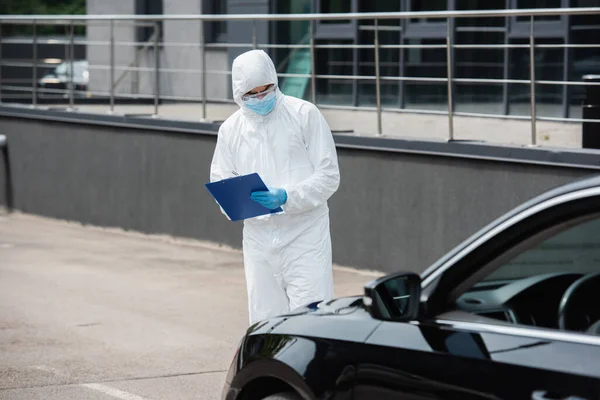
395 209
174 56
403 212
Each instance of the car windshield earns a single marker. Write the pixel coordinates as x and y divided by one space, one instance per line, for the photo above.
61 69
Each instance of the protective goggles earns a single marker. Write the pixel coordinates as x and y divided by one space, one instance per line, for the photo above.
259 95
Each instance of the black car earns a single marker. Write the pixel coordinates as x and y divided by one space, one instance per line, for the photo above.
512 313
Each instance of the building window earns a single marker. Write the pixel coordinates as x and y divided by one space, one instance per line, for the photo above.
583 61
428 5
464 5
148 7
334 61
524 4
479 63
548 26
586 21
214 31
335 6
425 63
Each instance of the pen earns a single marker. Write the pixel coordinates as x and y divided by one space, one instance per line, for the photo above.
235 173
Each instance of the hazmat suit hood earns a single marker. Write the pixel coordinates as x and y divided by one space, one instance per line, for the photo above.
249 70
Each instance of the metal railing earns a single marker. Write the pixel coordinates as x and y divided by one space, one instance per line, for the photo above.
376 46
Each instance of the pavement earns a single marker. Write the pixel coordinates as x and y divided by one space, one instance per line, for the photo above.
96 313
409 125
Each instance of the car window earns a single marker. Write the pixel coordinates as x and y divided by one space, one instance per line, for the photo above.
576 249
550 283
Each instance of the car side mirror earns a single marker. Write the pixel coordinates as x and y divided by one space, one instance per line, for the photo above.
394 297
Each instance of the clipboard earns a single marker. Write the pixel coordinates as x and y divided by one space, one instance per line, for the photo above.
233 195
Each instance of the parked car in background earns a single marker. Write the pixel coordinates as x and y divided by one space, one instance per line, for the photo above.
61 77
512 313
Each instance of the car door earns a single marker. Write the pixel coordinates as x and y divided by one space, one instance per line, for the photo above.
453 360
509 345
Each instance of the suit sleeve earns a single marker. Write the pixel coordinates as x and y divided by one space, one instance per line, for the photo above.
324 182
222 165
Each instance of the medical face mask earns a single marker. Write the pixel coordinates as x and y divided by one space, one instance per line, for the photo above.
261 106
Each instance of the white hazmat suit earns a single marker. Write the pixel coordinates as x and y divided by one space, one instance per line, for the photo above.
287 256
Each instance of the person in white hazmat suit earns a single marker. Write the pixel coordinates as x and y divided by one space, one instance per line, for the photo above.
287 256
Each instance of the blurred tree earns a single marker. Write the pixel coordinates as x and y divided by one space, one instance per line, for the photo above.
41 7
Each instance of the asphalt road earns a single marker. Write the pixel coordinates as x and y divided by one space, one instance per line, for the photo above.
91 313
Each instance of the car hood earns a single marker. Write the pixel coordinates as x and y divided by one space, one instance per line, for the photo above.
341 319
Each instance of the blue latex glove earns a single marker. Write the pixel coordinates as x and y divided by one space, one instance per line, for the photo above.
272 199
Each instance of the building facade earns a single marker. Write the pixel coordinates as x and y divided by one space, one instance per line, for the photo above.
555 64
135 57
